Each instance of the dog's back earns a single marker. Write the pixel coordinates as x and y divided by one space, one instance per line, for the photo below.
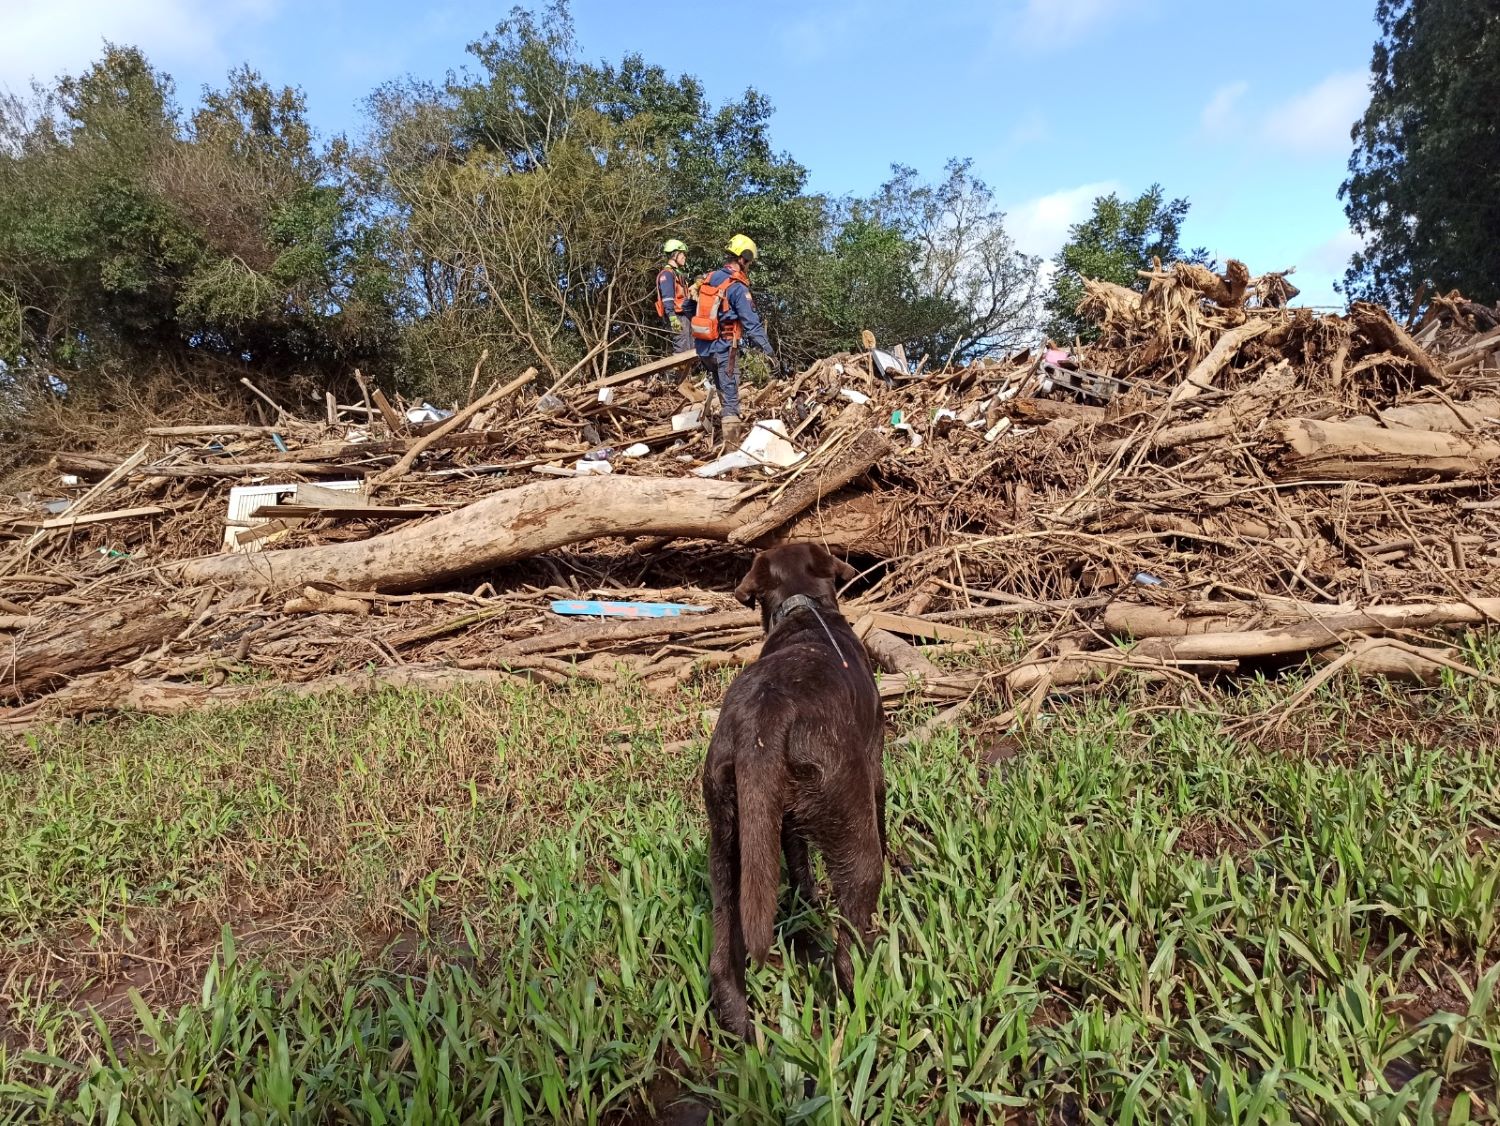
794 741
795 757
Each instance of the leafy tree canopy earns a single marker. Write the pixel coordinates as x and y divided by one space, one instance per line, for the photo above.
1424 179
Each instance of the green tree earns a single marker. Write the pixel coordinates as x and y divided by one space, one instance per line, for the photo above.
130 238
977 292
1120 238
1424 178
685 168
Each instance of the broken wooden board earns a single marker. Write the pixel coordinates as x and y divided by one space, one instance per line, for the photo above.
296 511
666 363
906 625
92 518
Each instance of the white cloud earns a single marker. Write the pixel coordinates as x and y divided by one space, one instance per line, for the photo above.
1317 121
45 38
1332 255
1053 21
1219 113
1040 225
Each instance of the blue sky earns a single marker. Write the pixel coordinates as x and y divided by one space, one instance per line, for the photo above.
1244 109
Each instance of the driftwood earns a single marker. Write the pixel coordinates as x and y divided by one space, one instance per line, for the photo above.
1202 376
1352 452
449 425
1452 417
1385 333
601 634
211 430
115 692
40 663
517 524
813 486
1224 636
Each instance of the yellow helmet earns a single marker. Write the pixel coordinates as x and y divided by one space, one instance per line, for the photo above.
741 245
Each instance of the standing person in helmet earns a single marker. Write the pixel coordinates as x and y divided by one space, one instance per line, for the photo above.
725 316
673 302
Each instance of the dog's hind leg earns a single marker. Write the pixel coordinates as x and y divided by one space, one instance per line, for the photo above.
726 964
803 941
856 889
798 863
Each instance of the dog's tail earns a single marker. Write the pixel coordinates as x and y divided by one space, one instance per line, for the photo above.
759 797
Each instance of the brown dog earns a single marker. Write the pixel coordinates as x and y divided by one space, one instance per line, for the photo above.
795 759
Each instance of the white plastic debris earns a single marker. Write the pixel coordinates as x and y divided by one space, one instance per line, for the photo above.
427 413
888 363
766 445
688 419
607 395
734 459
769 443
858 397
640 449
998 429
583 467
70 479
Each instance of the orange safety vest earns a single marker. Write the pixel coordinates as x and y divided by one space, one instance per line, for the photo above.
712 301
677 292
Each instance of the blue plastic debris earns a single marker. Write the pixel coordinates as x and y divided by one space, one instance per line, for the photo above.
590 607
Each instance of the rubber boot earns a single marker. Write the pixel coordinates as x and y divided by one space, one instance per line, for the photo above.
734 431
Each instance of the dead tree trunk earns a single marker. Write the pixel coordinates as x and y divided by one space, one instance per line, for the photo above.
519 523
29 665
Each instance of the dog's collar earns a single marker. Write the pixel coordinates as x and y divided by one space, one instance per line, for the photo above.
792 605
804 602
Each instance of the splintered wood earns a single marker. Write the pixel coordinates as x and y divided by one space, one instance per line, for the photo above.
1219 480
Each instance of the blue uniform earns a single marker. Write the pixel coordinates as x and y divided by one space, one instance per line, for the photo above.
719 356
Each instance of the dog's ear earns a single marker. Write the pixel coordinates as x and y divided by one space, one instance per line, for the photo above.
754 583
826 565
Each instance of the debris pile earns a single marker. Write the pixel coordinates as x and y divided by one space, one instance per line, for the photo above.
1223 478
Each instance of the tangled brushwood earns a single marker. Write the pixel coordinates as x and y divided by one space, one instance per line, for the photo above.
1221 479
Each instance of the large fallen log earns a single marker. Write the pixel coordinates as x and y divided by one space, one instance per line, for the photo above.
814 486
1140 622
1446 416
526 521
1347 451
1317 633
43 662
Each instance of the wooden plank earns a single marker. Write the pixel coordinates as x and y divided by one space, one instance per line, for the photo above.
321 496
908 626
393 420
666 363
92 518
373 511
116 474
265 531
207 430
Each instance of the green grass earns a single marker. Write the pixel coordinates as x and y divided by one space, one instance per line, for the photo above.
492 907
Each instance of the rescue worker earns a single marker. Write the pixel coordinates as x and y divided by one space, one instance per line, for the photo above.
673 303
725 316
